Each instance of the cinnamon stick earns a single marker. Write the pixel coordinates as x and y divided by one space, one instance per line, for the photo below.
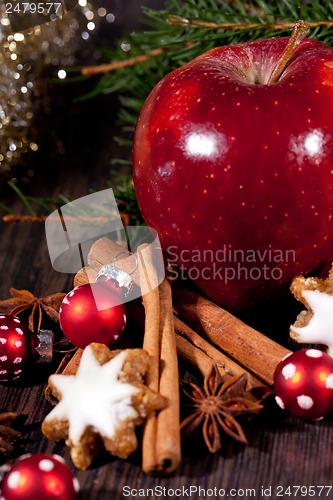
151 343
254 351
161 449
190 344
194 357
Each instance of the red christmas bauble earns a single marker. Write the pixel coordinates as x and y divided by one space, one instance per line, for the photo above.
15 347
39 477
303 383
92 313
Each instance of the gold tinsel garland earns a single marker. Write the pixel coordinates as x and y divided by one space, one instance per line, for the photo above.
23 58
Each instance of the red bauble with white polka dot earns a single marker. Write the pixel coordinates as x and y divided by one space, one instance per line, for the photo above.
39 477
15 347
303 383
92 313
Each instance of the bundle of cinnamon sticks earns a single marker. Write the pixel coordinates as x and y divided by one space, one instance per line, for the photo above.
190 327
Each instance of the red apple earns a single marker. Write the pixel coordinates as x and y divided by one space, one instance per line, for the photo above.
235 173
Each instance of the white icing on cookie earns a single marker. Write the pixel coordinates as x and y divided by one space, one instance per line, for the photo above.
94 397
319 330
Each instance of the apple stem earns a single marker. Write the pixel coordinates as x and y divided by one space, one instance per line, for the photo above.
300 31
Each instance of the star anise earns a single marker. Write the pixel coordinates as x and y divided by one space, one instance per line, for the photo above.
216 406
23 300
8 432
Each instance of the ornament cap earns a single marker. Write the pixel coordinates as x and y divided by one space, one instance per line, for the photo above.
122 278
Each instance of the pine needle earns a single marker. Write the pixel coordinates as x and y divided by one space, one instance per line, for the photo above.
23 198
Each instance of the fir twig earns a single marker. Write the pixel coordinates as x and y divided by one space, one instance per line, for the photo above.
114 66
197 24
184 30
23 218
123 191
9 218
281 26
194 24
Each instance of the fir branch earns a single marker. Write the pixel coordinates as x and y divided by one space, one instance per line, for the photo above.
10 218
125 195
184 30
123 190
282 26
32 203
114 66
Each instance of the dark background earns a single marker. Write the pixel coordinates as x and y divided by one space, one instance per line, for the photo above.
77 138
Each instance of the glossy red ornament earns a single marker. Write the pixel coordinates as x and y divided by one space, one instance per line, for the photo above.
39 477
303 383
15 347
92 313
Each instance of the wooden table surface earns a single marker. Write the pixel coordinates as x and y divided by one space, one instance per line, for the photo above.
282 453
